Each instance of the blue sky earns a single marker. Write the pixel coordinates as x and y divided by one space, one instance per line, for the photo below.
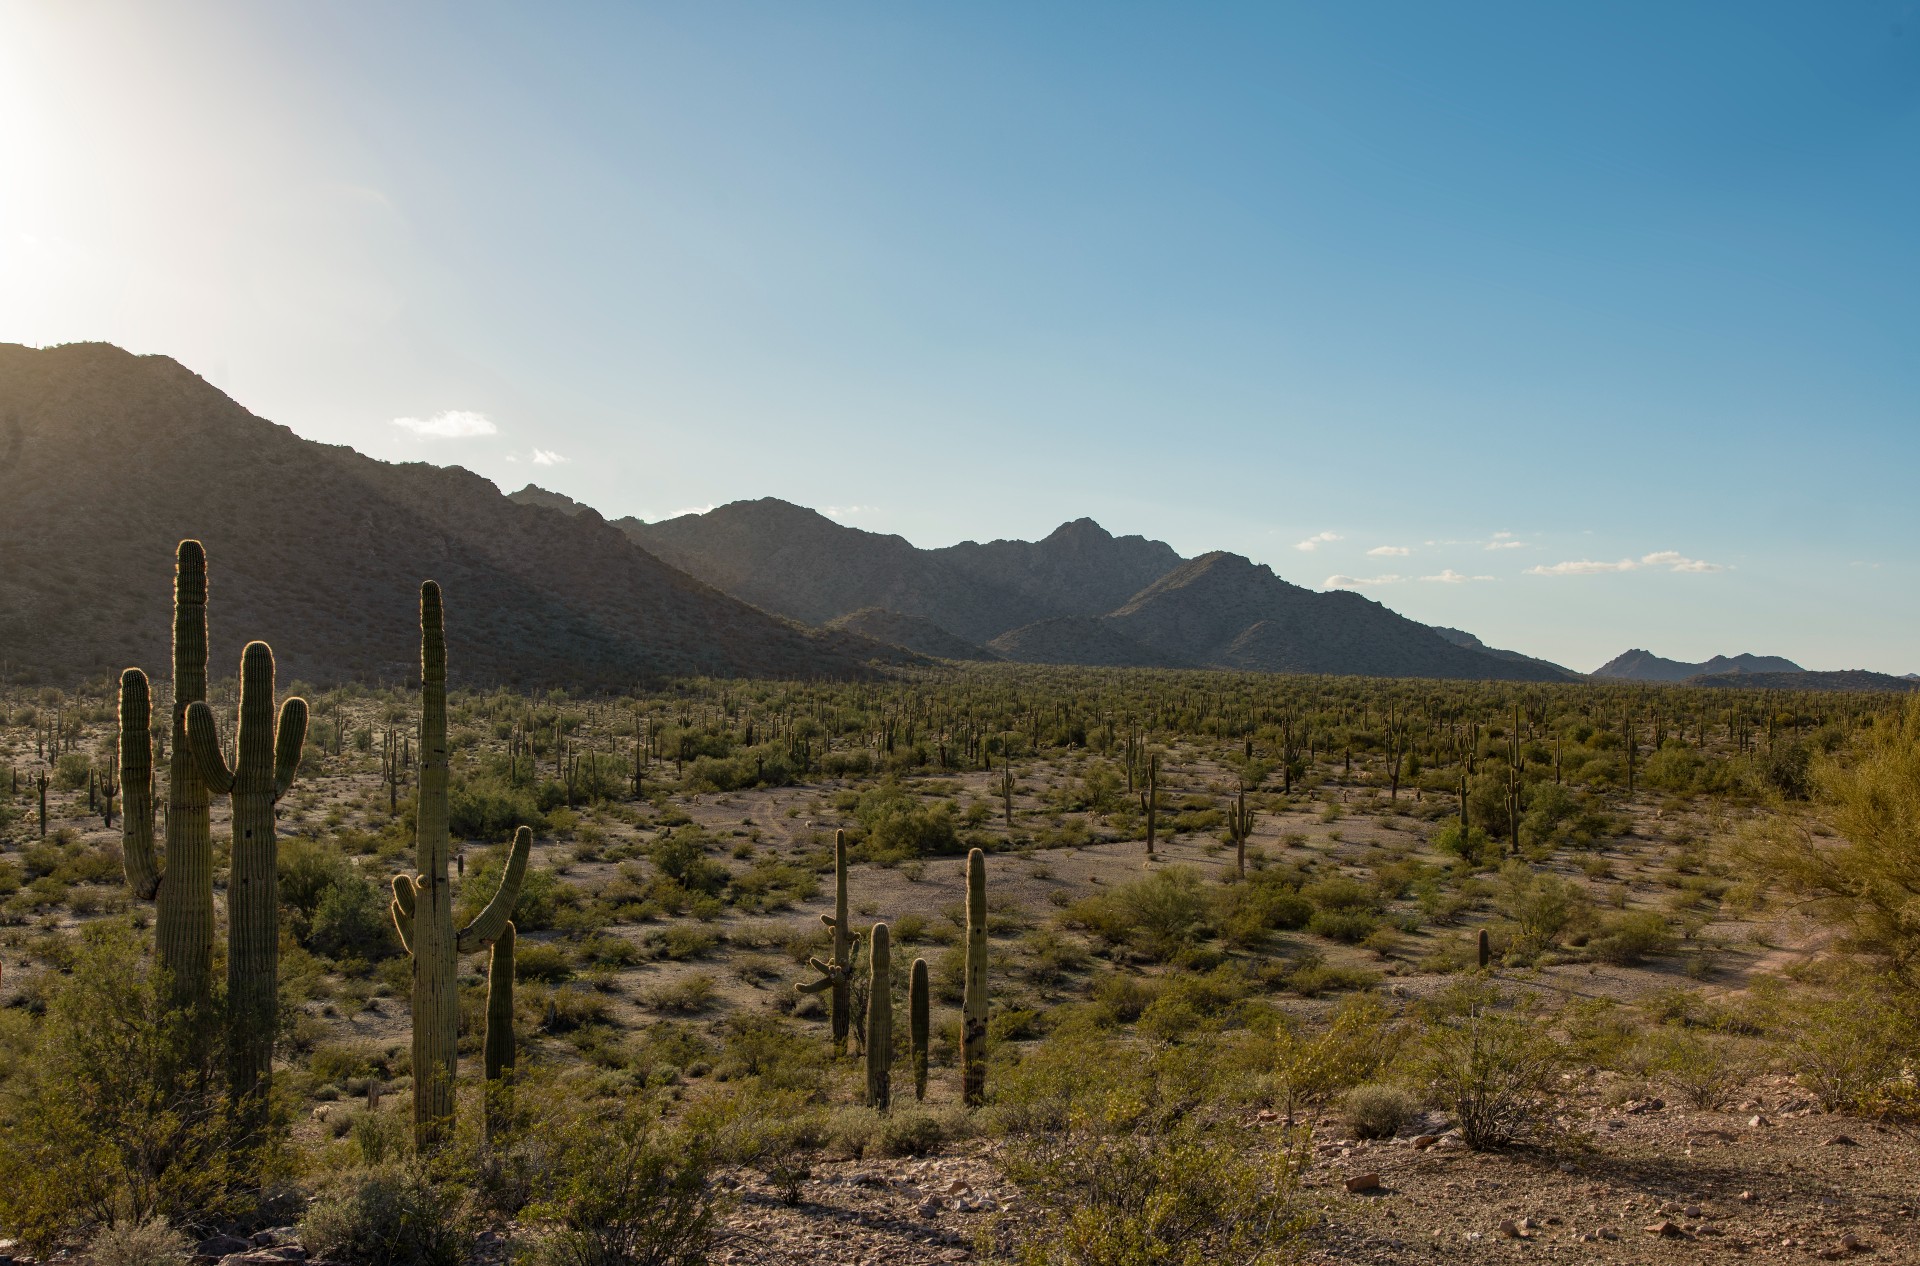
1617 306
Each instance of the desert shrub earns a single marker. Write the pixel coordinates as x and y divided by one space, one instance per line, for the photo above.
1360 1039
1787 768
71 770
688 994
544 896
392 1214
352 920
1471 845
1542 905
150 1242
1627 939
1159 915
1376 1111
483 805
682 856
1704 1068
1494 1069
898 826
1347 926
626 1189
543 961
120 1108
1116 1163
1851 1050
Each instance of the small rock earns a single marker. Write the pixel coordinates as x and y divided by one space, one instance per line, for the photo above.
1422 1142
1666 1229
931 1206
959 1187
1841 1140
1757 1122
1747 1197
220 1246
1852 1242
1510 1230
1364 1182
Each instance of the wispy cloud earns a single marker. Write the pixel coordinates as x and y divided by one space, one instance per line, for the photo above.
846 512
1318 539
1671 560
546 457
1360 582
680 514
451 424
1448 576
1389 551
1674 561
1506 544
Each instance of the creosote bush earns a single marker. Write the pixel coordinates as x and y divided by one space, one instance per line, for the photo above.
1493 1068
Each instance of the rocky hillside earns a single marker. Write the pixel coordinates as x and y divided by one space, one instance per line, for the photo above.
1460 637
1079 596
108 459
910 632
1638 665
1850 681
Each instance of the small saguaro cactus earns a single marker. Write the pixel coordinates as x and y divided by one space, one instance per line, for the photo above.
918 1026
1150 800
880 1018
1486 949
183 893
266 754
422 905
973 1008
836 974
1240 826
497 1051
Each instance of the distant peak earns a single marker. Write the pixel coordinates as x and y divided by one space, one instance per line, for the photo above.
1080 529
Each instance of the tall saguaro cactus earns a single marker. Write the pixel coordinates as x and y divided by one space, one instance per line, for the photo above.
497 1053
919 1024
880 1018
423 903
836 974
183 892
973 1007
266 755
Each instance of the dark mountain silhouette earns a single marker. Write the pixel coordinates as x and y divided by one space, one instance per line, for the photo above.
112 458
1079 596
912 632
1639 665
1851 680
535 495
1460 637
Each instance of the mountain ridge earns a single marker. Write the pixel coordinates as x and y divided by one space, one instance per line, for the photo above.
1642 665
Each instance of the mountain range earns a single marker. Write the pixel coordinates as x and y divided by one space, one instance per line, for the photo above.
1638 665
1079 596
108 459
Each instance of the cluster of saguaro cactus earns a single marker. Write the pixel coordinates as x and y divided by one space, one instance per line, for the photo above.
266 754
836 973
423 903
183 892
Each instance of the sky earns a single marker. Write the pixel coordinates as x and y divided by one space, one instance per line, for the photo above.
1580 327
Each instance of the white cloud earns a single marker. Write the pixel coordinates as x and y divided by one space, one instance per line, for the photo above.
546 457
678 514
1358 582
1389 551
1501 536
1679 562
1448 576
1318 539
1584 567
1504 544
450 424
846 512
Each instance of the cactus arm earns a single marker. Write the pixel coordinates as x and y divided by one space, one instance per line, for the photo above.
136 781
203 743
497 1053
490 922
401 908
289 740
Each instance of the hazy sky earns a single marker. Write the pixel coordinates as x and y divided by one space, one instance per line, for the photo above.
1578 326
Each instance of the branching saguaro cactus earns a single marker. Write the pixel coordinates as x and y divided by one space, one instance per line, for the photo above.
919 1015
183 892
973 1007
880 1018
423 903
266 755
836 974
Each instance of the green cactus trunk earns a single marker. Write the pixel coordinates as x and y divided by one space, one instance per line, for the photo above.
973 1010
880 1019
423 903
498 1052
840 997
919 1029
183 895
266 754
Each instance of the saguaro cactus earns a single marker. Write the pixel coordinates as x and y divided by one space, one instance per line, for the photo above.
973 1010
836 974
183 894
497 1052
1150 800
880 1019
918 1026
1240 826
265 756
423 904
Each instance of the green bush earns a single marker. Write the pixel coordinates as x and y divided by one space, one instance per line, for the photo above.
898 826
1494 1069
352 921
138 1243
1631 938
1159 915
1376 1111
626 1188
391 1214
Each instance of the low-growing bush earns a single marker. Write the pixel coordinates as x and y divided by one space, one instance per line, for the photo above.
393 1214
1376 1111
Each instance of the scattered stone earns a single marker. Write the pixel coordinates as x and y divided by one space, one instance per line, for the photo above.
1422 1142
1758 1122
1666 1229
1364 1182
1747 1197
219 1246
1841 1140
1511 1230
